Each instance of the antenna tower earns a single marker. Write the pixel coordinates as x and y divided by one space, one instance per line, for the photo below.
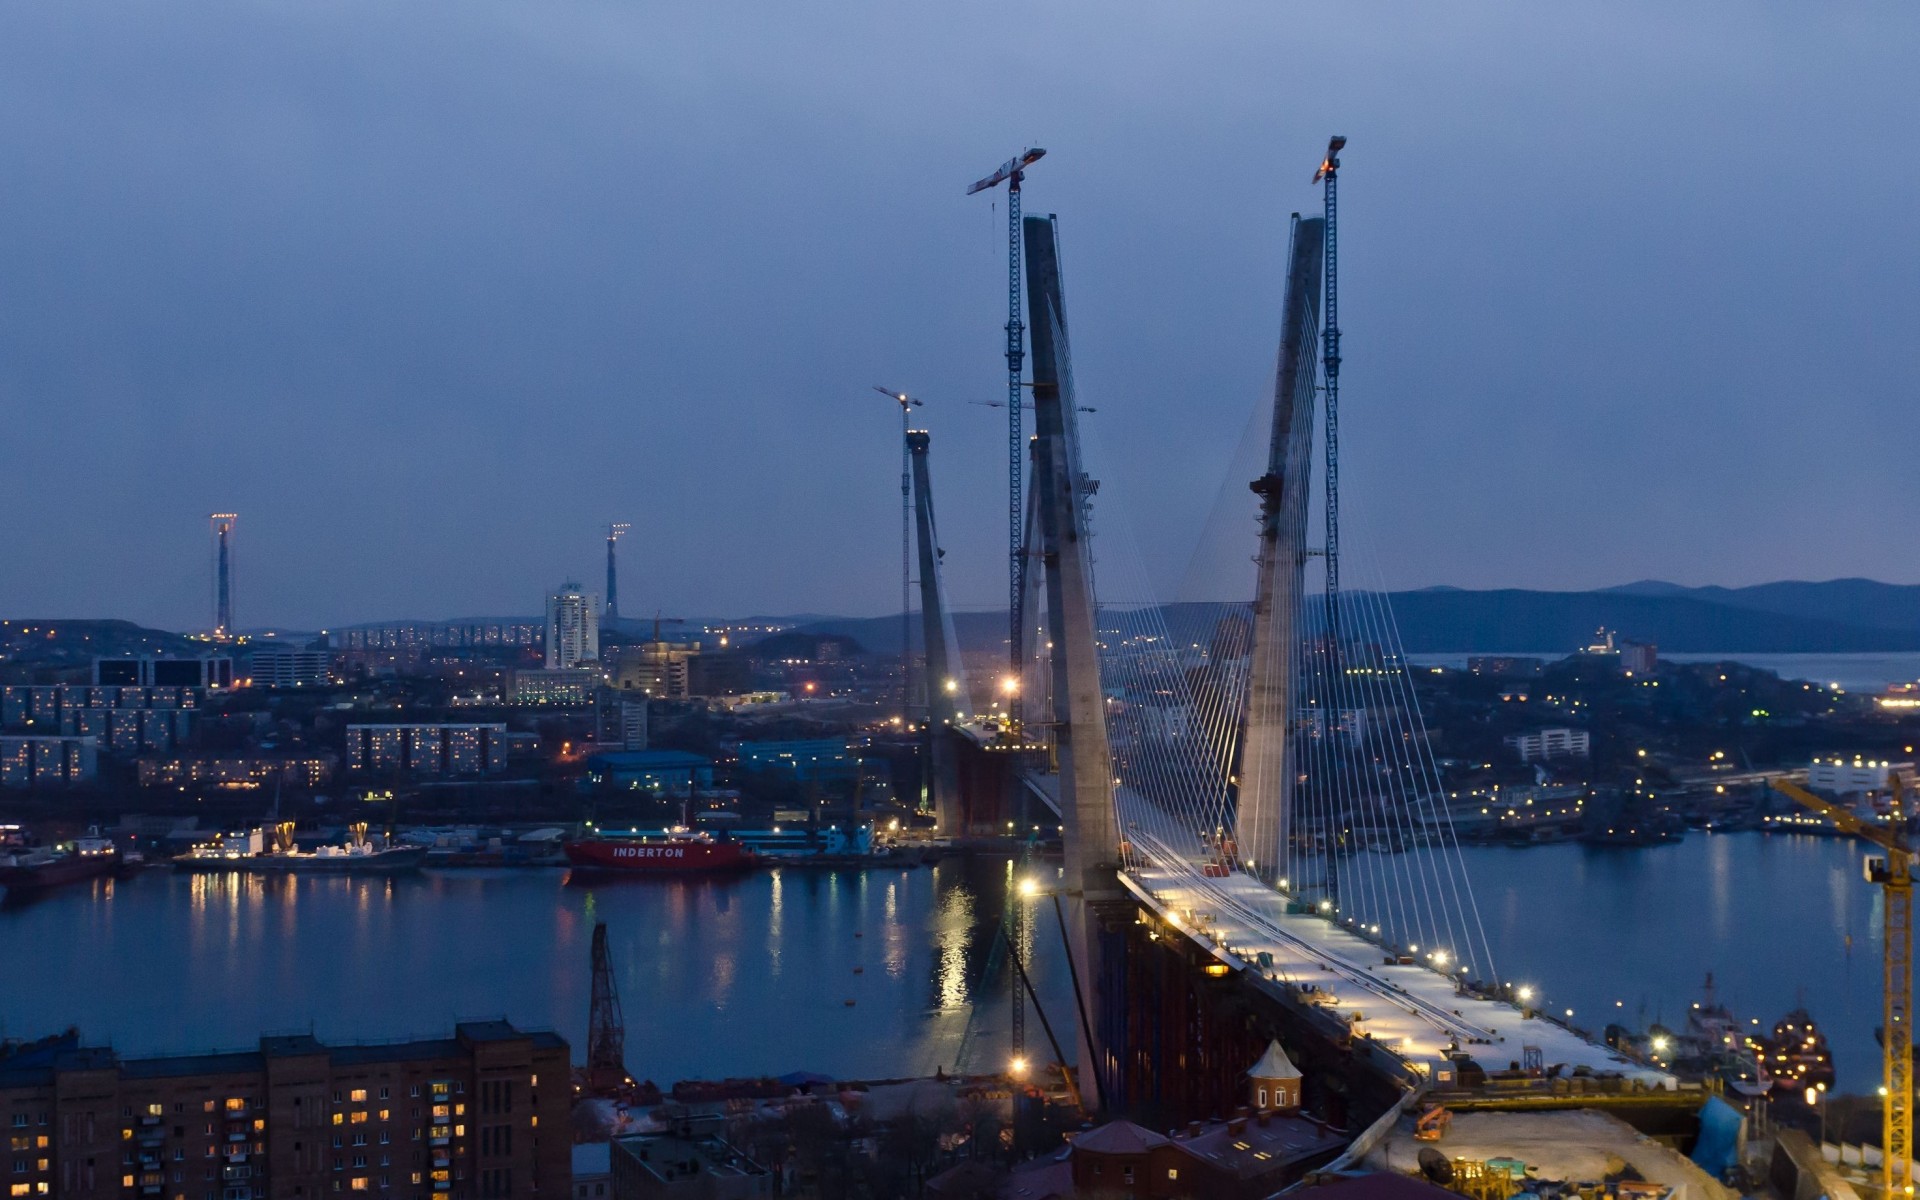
223 572
614 530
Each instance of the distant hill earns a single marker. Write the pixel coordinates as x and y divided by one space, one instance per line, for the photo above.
1837 616
1864 602
1683 622
30 644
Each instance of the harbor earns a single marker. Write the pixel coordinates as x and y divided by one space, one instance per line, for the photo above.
750 974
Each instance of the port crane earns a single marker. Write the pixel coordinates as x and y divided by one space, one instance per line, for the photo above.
1894 874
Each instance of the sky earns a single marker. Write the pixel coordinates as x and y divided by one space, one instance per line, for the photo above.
429 292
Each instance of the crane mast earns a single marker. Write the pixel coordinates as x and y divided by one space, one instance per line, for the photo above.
1329 176
1894 875
1012 173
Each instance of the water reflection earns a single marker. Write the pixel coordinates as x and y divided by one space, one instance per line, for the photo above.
746 975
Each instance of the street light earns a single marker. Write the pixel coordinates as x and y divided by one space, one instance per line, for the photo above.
1029 888
1018 1067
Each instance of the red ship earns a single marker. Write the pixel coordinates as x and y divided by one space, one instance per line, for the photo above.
655 855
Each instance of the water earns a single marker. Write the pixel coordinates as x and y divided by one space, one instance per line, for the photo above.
1628 935
1853 672
744 976
750 976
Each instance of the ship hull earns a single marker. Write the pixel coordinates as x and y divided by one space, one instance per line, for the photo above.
610 856
383 862
39 877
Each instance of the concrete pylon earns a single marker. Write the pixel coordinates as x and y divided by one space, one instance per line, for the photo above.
1265 793
948 699
1092 838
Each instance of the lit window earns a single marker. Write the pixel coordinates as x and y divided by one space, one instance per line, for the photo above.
383 1114
1173 1172
22 1189
359 1183
360 1117
236 1104
358 1095
154 1110
339 1118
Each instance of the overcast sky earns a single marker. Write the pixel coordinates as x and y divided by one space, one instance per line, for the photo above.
428 292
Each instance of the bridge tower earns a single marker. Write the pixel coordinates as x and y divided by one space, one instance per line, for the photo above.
948 700
1266 784
1092 838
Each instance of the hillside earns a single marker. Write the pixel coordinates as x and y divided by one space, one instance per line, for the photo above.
1834 617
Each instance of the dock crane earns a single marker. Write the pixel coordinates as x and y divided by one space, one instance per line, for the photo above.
1894 874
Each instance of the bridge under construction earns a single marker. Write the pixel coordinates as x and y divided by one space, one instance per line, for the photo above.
1255 833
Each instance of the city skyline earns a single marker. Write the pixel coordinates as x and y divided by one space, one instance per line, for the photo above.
425 326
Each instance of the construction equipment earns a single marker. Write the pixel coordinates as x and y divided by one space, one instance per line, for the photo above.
1329 176
614 530
1894 874
659 620
1012 173
906 404
606 1026
1028 407
1432 1125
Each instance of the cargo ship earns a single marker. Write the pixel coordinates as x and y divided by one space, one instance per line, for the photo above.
672 852
31 869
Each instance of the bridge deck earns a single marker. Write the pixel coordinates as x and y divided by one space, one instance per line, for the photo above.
1409 1010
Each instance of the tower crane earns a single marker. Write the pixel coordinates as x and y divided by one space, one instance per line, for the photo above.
1894 874
1329 177
1011 173
907 404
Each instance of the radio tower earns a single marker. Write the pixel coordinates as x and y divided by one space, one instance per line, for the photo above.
1328 174
223 573
606 1027
1011 173
614 530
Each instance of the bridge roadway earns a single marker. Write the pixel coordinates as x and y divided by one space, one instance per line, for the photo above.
1408 1010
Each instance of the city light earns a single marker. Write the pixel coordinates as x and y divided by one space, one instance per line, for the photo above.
1526 993
1009 685
1029 888
1660 1043
1018 1067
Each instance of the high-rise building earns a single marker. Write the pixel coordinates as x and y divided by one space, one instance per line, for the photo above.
288 666
206 671
573 628
633 724
33 760
479 1115
427 749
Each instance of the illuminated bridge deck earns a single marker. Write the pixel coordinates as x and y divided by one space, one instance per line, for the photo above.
1410 1011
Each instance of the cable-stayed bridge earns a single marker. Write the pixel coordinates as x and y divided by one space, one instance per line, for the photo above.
1251 781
